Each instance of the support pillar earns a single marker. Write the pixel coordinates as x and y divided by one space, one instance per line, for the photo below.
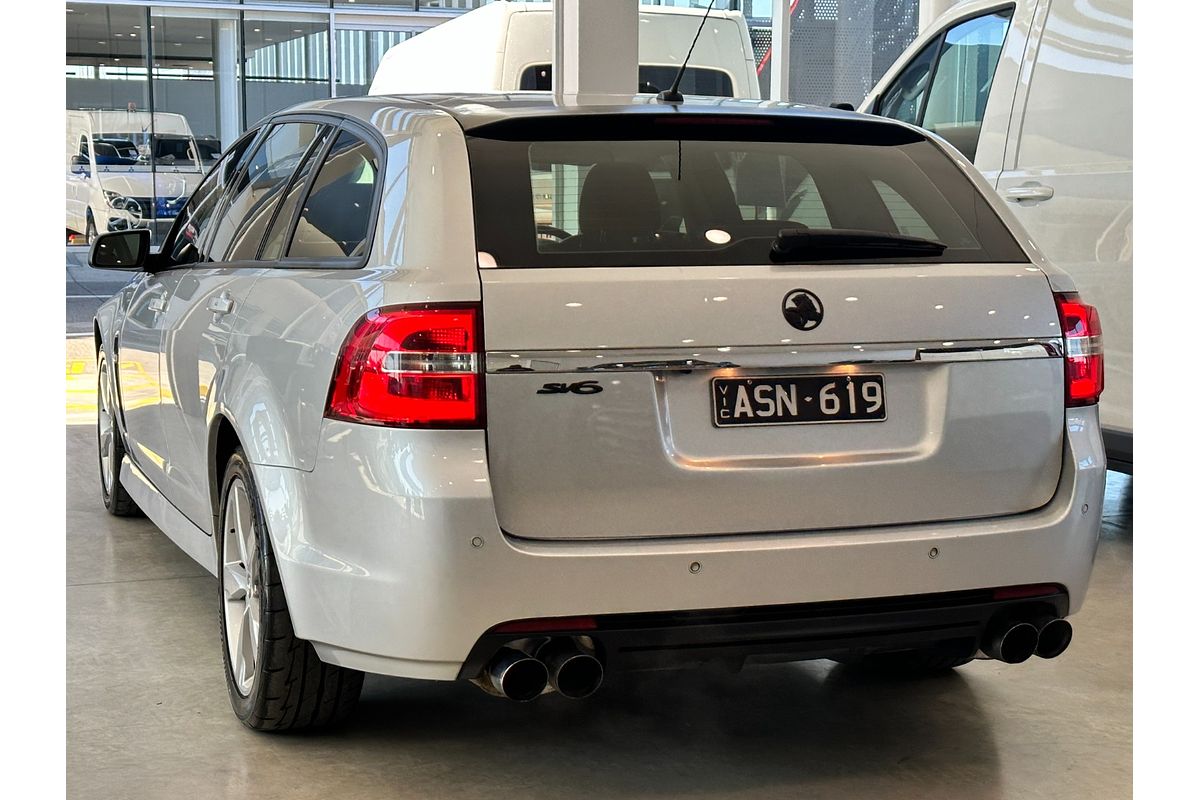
225 77
595 52
781 50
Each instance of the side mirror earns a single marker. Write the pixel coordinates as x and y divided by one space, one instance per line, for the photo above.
80 165
124 250
842 106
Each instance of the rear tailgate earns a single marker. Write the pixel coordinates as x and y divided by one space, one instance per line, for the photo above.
653 371
973 413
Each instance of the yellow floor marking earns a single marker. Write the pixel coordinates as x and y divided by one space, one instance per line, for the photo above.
81 381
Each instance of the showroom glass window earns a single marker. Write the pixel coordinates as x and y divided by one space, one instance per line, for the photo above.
108 179
193 113
360 49
286 60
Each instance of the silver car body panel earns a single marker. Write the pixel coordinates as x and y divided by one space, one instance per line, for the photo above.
389 577
389 541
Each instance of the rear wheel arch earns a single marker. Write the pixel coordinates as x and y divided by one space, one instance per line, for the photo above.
223 440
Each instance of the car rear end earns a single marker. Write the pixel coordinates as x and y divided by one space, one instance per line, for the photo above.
737 386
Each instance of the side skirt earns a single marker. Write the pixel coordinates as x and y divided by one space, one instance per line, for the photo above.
170 520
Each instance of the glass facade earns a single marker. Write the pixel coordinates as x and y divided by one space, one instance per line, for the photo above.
155 91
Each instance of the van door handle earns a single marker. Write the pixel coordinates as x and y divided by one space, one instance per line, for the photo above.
221 304
1033 191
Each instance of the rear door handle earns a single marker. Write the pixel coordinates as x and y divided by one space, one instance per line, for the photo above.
221 304
1030 191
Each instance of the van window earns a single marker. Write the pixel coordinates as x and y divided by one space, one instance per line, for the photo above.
336 217
906 95
659 190
188 241
945 88
253 200
962 80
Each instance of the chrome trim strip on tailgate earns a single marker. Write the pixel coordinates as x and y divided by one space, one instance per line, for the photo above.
689 359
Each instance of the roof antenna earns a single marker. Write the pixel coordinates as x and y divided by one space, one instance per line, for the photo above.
672 95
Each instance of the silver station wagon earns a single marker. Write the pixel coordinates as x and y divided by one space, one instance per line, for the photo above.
492 389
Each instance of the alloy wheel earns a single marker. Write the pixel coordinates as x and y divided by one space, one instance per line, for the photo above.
105 429
241 586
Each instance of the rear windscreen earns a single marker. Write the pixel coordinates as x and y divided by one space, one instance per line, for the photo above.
665 191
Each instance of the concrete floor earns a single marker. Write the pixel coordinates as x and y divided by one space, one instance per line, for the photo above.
148 717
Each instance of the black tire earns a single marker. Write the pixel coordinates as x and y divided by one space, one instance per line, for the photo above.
292 688
90 232
917 663
116 500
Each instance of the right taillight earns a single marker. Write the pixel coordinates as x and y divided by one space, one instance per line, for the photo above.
411 367
1084 350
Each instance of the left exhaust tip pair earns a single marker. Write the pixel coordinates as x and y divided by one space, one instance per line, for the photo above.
560 663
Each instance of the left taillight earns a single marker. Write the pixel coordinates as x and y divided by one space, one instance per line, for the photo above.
411 367
1084 345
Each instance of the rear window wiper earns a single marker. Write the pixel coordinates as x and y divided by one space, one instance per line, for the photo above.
804 244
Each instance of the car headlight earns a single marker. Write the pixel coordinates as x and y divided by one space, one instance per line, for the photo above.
114 199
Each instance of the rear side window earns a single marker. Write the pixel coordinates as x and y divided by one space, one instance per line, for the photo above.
281 225
336 217
718 193
254 199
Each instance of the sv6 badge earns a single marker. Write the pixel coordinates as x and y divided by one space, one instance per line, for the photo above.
582 387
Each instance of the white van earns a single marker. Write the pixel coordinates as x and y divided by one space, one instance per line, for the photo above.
507 47
1039 94
128 169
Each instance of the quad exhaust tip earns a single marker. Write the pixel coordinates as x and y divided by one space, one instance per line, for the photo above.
574 672
1054 636
1012 643
516 676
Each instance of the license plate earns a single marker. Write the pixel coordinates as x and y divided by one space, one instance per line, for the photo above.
797 400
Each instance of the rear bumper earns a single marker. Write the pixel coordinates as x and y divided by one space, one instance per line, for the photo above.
787 633
393 562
